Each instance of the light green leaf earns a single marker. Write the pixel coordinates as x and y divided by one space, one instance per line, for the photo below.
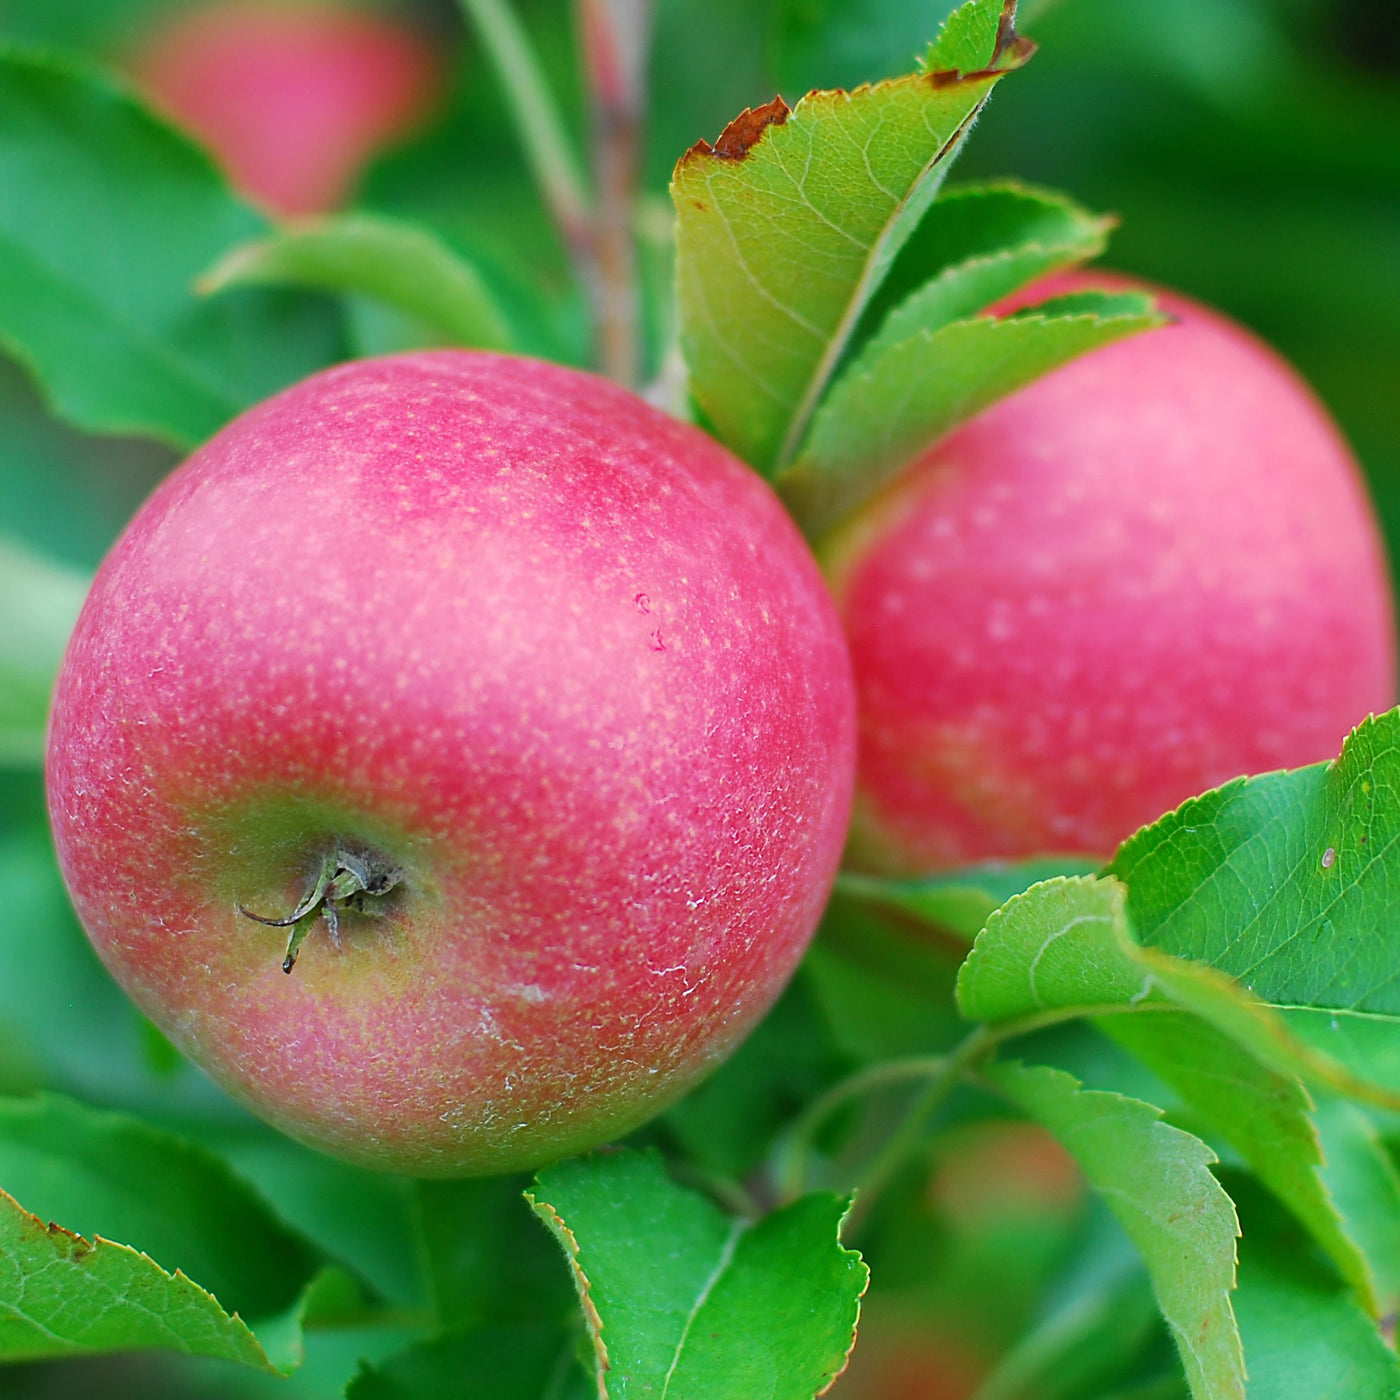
401 265
107 215
900 395
1157 1181
1061 947
1066 948
788 224
685 1302
1287 883
961 901
61 1294
40 599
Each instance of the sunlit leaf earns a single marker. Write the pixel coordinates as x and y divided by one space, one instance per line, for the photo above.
789 222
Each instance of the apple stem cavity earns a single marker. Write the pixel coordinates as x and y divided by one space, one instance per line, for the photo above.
343 882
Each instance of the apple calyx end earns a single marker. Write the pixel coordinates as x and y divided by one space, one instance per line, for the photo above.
344 882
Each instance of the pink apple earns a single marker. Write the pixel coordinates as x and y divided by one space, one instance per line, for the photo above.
292 98
1149 572
537 691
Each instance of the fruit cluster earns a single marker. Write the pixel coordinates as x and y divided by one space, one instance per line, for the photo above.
520 711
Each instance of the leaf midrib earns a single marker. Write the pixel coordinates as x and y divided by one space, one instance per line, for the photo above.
855 306
726 1257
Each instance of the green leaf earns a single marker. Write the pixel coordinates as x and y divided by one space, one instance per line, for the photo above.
1286 882
399 264
1265 1116
1308 1342
487 1260
110 1175
683 1301
1361 1179
40 599
912 384
729 1123
961 901
1066 948
364 1219
498 1363
61 1295
842 43
788 224
979 243
1157 1181
885 990
107 215
1085 1341
1304 1338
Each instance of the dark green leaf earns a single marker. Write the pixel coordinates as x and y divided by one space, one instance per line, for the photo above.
1157 1181
399 264
107 216
499 1363
884 983
488 1262
684 1301
789 223
729 1123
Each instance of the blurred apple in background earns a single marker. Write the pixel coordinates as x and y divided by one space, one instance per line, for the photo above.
1145 574
293 99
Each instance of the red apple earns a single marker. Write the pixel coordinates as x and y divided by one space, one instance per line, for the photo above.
1149 572
529 698
292 98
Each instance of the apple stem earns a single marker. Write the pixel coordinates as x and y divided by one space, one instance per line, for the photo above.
343 882
616 37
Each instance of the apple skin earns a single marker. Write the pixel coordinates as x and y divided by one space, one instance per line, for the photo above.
292 98
1149 572
560 658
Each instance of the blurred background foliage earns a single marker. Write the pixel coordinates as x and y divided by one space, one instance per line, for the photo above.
1252 151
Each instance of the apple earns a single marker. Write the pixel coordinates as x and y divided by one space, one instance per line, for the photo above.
522 709
1147 573
294 98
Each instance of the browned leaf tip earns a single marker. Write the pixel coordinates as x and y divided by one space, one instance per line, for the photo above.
738 138
1011 50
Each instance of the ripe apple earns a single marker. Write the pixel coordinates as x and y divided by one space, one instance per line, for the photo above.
1147 573
525 701
292 98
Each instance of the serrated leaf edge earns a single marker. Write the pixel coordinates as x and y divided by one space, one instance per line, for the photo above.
554 1222
80 1247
